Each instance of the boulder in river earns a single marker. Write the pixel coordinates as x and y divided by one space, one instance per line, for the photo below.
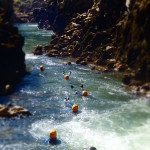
38 50
16 111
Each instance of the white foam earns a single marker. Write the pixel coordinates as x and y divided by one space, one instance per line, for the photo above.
48 61
88 129
32 92
31 56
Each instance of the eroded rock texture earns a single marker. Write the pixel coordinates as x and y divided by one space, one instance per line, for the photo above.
135 46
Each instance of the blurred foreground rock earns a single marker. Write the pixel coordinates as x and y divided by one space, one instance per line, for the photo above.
12 58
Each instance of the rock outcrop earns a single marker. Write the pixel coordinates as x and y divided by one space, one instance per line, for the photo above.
12 58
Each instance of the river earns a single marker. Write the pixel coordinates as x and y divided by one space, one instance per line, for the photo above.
109 118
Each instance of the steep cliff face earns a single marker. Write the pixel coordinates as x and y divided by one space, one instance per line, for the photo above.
11 55
40 13
135 46
62 11
88 31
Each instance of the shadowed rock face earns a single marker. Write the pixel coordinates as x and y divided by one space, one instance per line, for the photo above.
11 55
135 46
62 11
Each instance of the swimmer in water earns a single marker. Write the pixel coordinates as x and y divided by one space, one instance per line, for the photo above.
92 148
70 105
53 138
82 93
41 68
67 75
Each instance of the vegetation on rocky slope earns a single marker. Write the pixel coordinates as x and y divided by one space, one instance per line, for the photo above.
24 6
24 10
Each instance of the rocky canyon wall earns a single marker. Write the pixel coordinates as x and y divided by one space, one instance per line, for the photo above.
12 58
109 33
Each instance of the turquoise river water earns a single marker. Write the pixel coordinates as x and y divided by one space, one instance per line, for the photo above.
109 117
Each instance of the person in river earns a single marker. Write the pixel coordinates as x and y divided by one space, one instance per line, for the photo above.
70 105
66 76
53 138
41 68
92 148
67 102
68 63
82 93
